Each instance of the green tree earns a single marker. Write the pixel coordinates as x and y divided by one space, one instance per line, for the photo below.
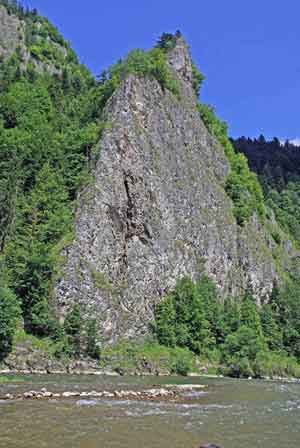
167 41
286 304
180 318
249 315
232 316
73 328
198 79
240 350
212 306
271 330
42 220
164 325
92 348
9 315
191 326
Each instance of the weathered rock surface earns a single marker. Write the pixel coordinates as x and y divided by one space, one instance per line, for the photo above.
11 32
157 211
12 39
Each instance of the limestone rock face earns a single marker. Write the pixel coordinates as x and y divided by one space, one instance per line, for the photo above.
157 211
12 39
11 32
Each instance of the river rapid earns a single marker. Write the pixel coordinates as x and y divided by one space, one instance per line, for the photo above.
231 413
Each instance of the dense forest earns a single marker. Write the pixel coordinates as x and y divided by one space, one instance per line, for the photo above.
46 134
51 121
277 166
244 339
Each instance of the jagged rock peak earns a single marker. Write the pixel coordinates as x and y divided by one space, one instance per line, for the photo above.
180 59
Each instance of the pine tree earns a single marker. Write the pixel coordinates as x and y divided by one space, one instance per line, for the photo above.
73 327
9 315
249 315
164 326
271 331
92 349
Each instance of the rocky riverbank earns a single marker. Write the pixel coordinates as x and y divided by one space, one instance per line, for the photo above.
82 367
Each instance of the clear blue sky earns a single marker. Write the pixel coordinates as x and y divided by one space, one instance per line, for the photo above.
248 50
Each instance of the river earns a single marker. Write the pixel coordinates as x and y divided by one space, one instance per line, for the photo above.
232 413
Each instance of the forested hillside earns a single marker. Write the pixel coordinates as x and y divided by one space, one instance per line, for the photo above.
54 117
278 168
50 121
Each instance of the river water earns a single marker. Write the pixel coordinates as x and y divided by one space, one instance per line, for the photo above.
232 413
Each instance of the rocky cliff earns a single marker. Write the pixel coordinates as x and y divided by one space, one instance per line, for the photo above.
11 32
34 40
157 210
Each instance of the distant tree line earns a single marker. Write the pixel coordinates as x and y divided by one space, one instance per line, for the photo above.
276 163
277 166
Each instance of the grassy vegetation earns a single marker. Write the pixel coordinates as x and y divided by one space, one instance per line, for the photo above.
127 357
10 379
46 346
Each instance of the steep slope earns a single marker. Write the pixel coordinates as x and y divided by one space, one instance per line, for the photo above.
157 210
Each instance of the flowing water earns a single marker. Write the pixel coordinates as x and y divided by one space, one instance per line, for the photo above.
232 413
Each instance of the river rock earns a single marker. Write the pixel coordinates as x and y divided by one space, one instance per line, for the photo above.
98 394
147 394
210 445
186 387
47 394
28 395
56 395
134 394
118 394
70 394
108 394
84 394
